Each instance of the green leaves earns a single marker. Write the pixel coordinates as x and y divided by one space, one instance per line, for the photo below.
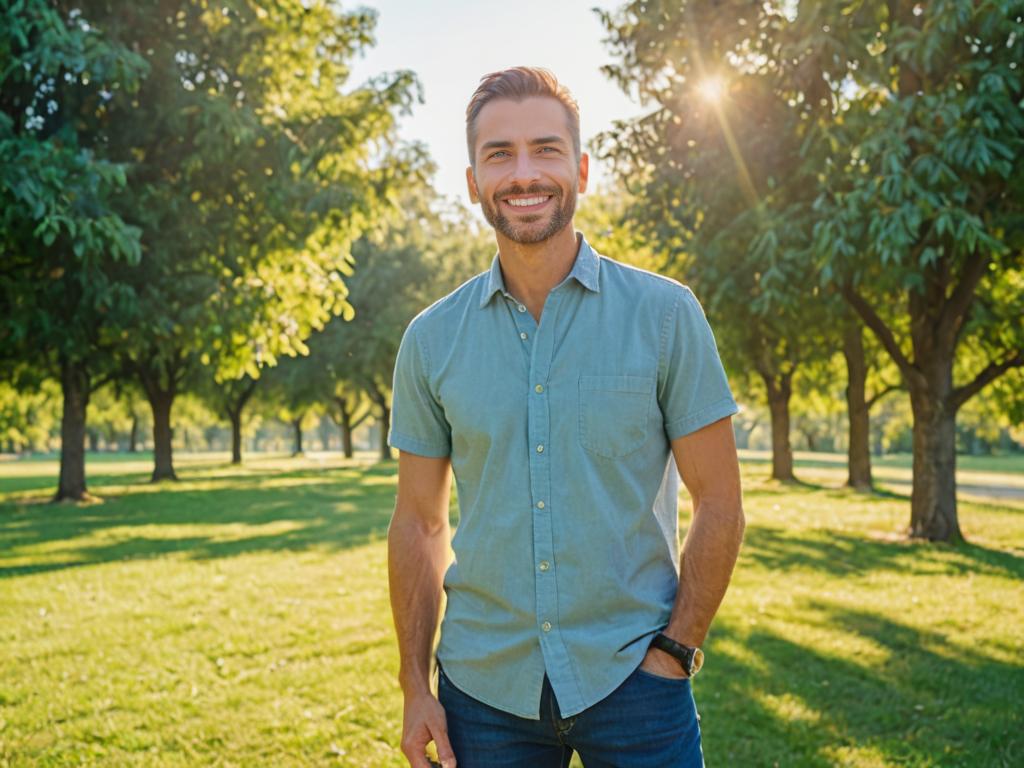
59 232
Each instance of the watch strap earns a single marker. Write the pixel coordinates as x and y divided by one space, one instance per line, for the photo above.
683 653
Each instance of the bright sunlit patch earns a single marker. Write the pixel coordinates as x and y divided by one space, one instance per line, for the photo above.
711 88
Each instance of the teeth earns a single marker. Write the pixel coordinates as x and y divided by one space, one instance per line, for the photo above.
523 202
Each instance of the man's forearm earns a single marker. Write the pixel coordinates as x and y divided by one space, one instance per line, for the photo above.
709 554
417 559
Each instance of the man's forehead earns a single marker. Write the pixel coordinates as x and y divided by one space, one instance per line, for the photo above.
540 115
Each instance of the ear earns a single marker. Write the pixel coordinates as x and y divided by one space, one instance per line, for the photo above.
474 193
584 173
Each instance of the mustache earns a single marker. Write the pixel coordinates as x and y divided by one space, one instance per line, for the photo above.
533 189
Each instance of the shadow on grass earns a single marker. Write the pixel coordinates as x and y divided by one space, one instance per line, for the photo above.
766 488
930 702
205 517
840 554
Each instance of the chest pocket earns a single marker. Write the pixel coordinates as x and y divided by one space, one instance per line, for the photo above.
614 413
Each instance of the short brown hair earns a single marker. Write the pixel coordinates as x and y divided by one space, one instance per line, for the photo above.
519 84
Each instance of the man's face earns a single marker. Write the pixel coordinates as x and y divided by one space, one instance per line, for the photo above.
526 177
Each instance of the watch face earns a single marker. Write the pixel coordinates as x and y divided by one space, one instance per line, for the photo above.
698 661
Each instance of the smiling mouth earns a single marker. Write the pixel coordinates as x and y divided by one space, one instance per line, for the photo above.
527 202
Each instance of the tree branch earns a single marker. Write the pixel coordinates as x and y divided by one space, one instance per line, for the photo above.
870 402
954 312
879 328
990 372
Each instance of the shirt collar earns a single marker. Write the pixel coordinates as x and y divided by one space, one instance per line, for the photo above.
586 270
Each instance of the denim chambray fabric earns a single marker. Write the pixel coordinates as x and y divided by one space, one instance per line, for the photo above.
566 551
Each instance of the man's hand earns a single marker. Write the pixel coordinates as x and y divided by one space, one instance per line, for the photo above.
659 663
424 721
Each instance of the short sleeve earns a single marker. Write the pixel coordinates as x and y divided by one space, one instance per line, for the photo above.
693 390
418 423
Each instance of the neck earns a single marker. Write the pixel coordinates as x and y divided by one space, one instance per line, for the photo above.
532 270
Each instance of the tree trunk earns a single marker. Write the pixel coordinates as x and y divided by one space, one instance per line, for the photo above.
859 450
812 440
160 401
297 426
346 436
385 427
346 426
133 436
324 430
236 395
236 435
779 389
933 511
74 382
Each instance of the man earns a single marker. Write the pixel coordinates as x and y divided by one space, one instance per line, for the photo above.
559 388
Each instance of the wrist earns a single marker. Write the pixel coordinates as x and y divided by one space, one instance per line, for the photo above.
683 635
414 683
689 657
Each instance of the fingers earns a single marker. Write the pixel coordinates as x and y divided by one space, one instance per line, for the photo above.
416 760
414 745
432 728
444 748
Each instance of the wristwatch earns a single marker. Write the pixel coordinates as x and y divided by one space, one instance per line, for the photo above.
691 659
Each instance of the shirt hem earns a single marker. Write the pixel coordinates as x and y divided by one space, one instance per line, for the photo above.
490 703
712 413
419 447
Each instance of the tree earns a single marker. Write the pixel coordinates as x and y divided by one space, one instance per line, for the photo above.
292 393
895 134
229 399
422 251
920 204
254 166
713 168
64 247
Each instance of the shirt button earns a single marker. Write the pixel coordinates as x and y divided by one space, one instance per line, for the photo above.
546 626
539 388
544 565
521 308
522 336
540 449
540 505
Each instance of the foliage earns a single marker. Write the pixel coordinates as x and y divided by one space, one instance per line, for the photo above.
603 216
61 238
923 177
716 174
422 251
29 420
255 166
876 149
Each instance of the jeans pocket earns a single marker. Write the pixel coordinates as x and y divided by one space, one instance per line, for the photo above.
660 678
613 413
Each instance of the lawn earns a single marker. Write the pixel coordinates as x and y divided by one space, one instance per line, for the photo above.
240 617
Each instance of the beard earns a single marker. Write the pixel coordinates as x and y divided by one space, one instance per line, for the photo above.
530 229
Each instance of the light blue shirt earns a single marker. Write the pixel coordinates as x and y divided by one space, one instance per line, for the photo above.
566 551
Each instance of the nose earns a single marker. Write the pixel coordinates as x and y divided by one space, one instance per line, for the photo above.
525 171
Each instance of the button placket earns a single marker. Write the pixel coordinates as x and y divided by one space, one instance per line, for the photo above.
525 326
539 434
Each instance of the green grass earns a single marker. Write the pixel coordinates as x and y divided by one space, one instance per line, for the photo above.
240 617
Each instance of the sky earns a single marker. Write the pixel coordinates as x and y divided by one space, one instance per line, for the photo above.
450 44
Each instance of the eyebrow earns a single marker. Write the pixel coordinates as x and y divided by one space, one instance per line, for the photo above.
505 143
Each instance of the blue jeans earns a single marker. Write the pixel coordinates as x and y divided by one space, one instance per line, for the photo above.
646 721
